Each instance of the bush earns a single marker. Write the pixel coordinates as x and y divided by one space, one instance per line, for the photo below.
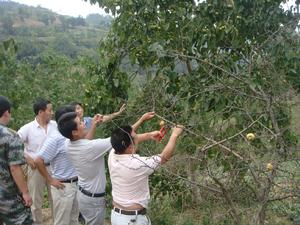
161 211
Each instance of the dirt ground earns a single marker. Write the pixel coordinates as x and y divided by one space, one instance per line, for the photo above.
47 217
48 221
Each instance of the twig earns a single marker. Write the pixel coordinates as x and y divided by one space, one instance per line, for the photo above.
231 137
206 138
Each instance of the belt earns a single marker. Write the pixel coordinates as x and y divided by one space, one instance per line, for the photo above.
131 212
96 195
69 180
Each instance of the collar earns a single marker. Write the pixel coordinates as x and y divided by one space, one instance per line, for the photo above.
124 155
35 122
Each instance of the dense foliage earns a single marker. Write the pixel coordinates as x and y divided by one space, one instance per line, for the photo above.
223 69
44 54
55 78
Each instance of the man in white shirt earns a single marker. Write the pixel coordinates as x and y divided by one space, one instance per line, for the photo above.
87 157
129 173
63 177
33 136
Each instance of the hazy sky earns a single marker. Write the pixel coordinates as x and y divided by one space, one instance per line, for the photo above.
65 7
78 7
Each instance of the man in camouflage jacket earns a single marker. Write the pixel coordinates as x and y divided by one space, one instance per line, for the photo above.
15 200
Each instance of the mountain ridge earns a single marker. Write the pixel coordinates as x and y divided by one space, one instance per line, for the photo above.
38 31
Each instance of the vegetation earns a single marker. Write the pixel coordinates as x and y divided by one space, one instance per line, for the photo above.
55 78
226 70
45 54
223 69
39 31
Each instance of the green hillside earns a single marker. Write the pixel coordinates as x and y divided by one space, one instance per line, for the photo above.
38 31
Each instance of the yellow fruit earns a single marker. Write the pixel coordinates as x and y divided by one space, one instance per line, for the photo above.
250 136
269 167
161 123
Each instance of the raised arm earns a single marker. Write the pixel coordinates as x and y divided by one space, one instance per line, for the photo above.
98 118
109 117
19 178
154 135
146 116
167 152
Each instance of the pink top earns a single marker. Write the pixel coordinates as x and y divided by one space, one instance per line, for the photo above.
129 177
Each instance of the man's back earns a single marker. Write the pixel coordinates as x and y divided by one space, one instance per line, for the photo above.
54 150
129 176
87 157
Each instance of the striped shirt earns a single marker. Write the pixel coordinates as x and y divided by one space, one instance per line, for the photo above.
54 151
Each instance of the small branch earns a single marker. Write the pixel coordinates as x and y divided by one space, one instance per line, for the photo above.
206 138
176 54
283 197
231 137
234 213
214 190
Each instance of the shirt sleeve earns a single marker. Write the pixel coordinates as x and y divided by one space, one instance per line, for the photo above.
100 147
88 122
23 133
148 164
49 149
15 151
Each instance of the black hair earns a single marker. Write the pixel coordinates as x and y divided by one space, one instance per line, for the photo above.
40 104
76 103
121 139
4 105
66 124
62 110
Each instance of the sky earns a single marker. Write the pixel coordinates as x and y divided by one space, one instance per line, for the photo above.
66 7
78 7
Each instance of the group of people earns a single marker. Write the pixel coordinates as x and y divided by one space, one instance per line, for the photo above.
63 156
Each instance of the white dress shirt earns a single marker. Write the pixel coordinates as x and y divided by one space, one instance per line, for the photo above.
33 136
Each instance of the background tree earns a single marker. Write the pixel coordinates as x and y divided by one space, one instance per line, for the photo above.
223 69
54 78
7 24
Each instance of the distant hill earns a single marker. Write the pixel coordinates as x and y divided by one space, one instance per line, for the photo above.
40 31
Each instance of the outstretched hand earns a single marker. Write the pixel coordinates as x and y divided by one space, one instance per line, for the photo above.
148 116
98 118
122 109
177 130
155 135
